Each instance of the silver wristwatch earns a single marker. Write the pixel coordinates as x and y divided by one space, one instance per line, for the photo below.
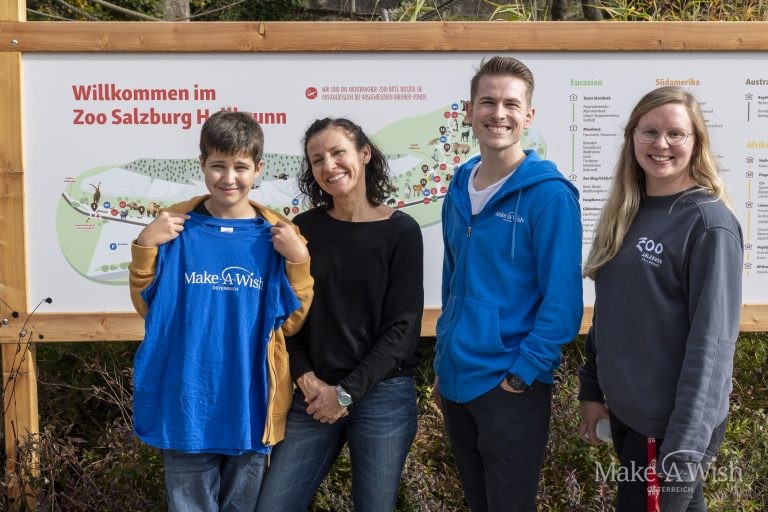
344 398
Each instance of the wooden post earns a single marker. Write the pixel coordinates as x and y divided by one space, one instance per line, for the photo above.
19 377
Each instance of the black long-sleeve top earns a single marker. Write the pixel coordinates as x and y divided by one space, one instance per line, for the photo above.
365 320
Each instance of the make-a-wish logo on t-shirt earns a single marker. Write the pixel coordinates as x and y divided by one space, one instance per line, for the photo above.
510 217
231 279
650 251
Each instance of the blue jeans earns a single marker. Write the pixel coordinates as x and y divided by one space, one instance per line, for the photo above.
379 429
208 482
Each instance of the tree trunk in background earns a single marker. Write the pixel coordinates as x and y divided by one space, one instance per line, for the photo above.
590 8
175 9
559 9
592 11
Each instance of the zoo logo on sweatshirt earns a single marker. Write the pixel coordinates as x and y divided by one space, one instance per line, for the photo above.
650 251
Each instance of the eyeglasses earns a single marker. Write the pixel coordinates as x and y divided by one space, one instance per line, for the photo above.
674 136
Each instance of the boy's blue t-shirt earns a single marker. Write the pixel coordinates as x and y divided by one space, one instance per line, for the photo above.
200 375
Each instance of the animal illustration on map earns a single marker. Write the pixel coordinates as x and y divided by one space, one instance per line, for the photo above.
437 154
466 120
133 205
96 192
460 148
153 209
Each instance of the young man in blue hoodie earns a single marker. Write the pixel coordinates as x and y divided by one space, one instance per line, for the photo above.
511 295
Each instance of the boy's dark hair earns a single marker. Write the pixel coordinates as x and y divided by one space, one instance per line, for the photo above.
232 133
504 66
377 182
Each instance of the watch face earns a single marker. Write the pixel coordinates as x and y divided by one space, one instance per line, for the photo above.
343 397
516 383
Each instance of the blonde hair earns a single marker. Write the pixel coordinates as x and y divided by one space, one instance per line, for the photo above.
628 185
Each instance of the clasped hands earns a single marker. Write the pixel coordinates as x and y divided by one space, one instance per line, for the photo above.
323 404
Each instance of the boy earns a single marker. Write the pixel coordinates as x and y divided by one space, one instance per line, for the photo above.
211 380
511 295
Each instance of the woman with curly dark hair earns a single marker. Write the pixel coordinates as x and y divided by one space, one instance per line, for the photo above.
377 183
353 360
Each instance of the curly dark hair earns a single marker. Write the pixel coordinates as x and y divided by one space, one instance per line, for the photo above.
378 185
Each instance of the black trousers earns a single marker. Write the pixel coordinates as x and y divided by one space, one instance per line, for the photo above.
632 495
498 442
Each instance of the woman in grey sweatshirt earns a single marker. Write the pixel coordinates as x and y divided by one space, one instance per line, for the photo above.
667 264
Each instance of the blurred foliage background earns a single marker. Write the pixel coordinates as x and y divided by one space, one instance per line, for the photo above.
89 459
398 10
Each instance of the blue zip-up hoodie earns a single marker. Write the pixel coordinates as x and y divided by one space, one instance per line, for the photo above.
512 286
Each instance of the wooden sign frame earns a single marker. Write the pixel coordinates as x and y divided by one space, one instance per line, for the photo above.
19 37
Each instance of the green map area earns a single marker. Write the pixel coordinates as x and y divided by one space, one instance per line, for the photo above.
101 210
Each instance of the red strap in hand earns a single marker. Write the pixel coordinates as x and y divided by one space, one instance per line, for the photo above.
654 490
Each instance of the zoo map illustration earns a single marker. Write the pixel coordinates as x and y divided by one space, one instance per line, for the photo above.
102 210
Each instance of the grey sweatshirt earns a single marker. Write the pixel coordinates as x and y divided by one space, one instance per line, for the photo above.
665 324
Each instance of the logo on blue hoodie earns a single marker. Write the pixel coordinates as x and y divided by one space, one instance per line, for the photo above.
510 217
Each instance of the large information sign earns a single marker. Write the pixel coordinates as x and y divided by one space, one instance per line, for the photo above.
112 138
